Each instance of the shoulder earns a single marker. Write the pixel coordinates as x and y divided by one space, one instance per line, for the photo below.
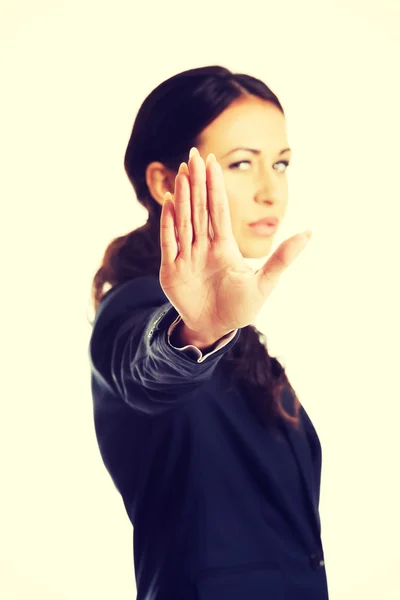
138 293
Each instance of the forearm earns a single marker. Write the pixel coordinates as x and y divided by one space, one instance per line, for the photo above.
148 372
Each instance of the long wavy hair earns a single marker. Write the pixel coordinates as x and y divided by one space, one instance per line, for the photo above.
168 124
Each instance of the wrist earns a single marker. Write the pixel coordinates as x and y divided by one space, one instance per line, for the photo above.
201 340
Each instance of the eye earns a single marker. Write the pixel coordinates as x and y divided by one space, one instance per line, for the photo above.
283 162
235 165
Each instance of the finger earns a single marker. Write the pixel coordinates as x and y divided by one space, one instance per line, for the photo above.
283 257
218 205
183 212
198 190
168 242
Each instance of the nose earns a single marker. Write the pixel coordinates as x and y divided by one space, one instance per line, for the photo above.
263 199
268 188
270 197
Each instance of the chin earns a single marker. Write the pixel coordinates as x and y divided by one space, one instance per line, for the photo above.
258 250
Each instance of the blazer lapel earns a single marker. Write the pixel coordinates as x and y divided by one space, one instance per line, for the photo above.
302 453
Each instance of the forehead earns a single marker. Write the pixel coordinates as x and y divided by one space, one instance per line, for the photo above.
247 121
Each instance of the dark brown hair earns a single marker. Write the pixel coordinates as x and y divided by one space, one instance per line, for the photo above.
167 125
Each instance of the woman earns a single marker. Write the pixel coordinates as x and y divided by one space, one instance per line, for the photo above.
215 458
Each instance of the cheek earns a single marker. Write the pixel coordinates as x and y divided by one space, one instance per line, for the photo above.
237 208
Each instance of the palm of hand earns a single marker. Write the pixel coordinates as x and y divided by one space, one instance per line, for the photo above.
206 277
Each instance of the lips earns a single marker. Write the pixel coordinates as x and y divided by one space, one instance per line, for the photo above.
272 221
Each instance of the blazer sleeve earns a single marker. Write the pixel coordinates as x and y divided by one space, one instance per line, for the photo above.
130 353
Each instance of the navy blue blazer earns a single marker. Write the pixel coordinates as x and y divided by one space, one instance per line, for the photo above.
221 506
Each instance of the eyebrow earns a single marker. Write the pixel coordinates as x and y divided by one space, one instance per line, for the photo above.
254 151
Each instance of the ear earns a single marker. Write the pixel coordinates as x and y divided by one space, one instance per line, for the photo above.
159 180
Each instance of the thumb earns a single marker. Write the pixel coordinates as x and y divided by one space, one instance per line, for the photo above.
283 256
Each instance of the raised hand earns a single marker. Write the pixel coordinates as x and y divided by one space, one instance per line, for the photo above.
205 277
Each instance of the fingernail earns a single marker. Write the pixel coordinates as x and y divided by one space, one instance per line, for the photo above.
211 157
308 233
193 152
183 168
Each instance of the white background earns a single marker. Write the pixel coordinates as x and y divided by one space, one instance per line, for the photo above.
73 75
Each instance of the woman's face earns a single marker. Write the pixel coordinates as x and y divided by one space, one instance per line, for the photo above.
255 175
